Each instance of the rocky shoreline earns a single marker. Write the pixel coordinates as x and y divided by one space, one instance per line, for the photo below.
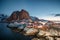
38 34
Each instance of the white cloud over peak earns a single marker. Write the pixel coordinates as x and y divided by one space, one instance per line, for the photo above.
52 18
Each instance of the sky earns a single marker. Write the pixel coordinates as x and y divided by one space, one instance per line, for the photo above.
43 9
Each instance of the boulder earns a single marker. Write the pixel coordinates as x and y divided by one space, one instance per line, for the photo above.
12 25
41 33
31 31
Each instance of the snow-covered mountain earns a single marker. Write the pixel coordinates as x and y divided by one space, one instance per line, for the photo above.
2 17
34 18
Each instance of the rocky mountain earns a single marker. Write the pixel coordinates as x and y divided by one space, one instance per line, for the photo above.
23 15
19 15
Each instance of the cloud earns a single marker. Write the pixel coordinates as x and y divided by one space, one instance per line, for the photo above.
52 18
57 14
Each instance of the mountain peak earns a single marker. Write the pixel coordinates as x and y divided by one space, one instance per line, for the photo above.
19 15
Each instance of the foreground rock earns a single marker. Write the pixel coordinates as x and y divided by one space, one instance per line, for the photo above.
31 31
51 34
36 32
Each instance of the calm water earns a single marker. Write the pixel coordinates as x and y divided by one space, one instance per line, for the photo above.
7 34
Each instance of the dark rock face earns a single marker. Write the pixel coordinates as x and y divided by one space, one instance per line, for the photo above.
13 16
19 15
23 15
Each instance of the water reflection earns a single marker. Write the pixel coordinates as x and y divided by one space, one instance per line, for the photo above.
8 34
